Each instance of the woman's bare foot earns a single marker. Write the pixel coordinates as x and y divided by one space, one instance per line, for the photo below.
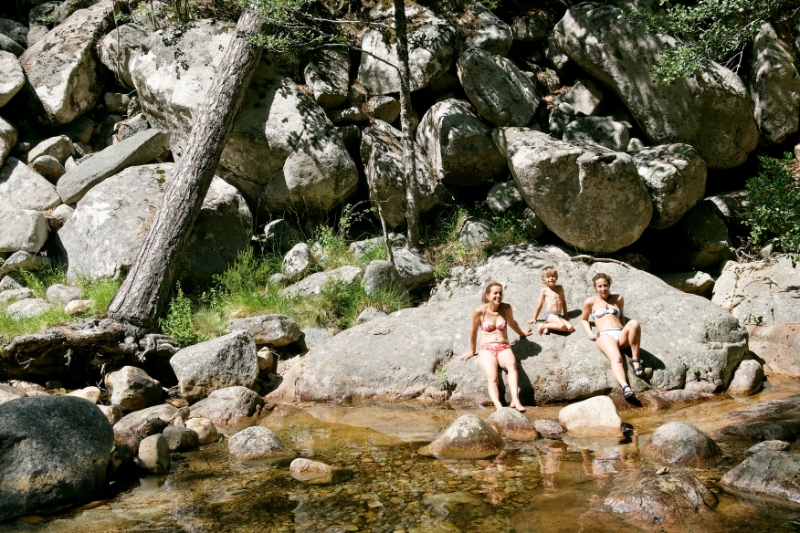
518 406
543 329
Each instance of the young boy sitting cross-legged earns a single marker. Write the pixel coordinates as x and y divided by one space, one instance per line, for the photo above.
555 305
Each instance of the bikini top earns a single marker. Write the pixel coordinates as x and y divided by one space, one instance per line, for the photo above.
597 313
488 328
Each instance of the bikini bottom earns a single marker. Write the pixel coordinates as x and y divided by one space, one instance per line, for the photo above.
614 333
495 347
548 313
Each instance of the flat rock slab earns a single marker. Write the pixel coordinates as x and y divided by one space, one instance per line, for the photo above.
771 420
773 475
398 358
315 283
273 330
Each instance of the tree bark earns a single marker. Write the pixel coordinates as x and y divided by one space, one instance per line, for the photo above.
145 290
409 151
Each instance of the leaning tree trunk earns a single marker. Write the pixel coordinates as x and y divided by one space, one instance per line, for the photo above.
144 292
409 155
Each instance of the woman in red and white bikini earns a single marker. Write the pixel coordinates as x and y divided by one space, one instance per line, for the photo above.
493 318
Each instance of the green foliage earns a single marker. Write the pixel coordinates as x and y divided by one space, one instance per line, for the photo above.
178 322
772 212
716 30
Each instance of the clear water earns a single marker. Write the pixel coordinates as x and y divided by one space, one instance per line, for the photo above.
538 487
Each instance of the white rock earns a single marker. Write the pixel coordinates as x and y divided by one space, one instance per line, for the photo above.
595 417
89 393
23 188
12 77
22 230
206 432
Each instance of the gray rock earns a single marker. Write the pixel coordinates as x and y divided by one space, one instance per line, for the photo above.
748 379
431 44
778 346
383 108
709 111
134 389
23 188
595 417
315 472
59 147
80 130
118 48
603 131
273 330
549 429
256 443
49 167
503 197
468 437
230 408
534 226
584 97
13 78
112 413
676 178
763 292
328 76
109 225
10 46
699 240
61 448
483 29
22 230
14 295
130 127
62 67
36 33
413 268
205 429
297 261
698 283
531 28
117 103
729 206
774 87
569 189
382 276
132 428
140 149
768 474
500 92
8 283
222 362
474 232
91 394
397 358
315 283
62 294
634 145
314 337
14 30
154 454
560 117
8 138
283 153
556 56
180 439
8 393
458 144
351 115
668 502
512 424
24 261
382 153
680 444
367 246
771 445
369 314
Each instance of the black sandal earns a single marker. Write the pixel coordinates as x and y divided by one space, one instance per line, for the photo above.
627 392
638 370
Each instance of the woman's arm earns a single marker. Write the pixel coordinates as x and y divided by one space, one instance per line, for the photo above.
538 308
473 334
513 323
587 310
621 305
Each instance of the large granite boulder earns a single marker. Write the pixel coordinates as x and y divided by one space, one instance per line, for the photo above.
22 230
134 389
62 67
257 442
767 474
132 428
770 420
681 444
12 79
283 152
222 362
774 87
382 154
500 92
109 225
458 144
602 131
762 293
431 42
595 417
315 283
118 48
480 28
709 111
398 358
468 437
273 330
592 199
778 346
676 178
54 454
328 76
23 188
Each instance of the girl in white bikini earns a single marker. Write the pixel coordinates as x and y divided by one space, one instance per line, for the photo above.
606 310
493 319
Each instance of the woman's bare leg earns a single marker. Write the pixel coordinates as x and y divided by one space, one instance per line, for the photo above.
488 363
508 362
631 335
610 348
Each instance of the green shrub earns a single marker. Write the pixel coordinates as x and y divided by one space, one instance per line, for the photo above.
178 322
772 213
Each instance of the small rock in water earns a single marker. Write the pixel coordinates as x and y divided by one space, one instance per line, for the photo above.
316 473
512 424
181 439
132 428
468 437
682 444
206 432
772 445
663 470
257 442
134 389
549 429
747 379
768 474
154 454
595 417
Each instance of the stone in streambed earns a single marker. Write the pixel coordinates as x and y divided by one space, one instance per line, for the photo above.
770 474
230 408
595 417
112 412
681 444
549 429
512 424
205 429
768 445
132 428
91 394
134 389
316 473
180 439
256 443
468 437
154 454
748 379
273 330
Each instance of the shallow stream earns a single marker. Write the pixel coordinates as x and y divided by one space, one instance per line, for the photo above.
544 486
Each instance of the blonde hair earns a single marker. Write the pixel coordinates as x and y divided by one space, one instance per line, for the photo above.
548 270
491 284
